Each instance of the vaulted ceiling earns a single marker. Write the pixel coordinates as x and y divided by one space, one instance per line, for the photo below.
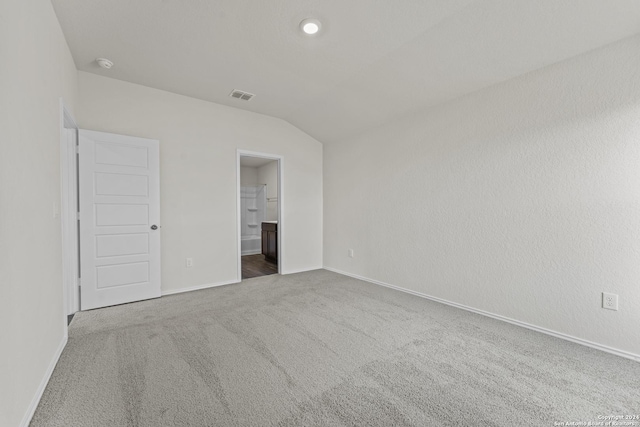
373 61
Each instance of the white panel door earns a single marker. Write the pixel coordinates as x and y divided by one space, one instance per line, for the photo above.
119 188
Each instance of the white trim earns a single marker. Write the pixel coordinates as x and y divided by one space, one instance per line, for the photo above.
199 287
587 343
238 218
68 211
304 270
43 384
251 252
246 153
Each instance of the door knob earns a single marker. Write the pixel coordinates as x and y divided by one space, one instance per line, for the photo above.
154 227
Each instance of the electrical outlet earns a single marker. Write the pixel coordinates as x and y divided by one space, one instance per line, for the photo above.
351 255
609 301
189 262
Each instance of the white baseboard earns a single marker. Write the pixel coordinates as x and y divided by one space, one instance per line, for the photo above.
197 288
43 384
304 270
256 252
560 335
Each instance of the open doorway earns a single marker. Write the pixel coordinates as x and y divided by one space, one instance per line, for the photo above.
259 213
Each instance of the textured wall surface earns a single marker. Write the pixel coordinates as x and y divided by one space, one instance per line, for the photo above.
198 143
36 69
522 199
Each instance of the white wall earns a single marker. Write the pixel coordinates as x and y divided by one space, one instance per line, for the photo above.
198 143
268 174
36 69
248 176
522 200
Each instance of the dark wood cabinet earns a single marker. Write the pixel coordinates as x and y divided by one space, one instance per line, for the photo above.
270 241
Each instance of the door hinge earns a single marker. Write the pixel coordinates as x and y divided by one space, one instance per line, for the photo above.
79 282
77 149
78 216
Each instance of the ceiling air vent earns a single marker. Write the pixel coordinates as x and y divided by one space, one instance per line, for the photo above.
245 96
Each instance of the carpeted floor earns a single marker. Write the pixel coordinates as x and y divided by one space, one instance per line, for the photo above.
318 348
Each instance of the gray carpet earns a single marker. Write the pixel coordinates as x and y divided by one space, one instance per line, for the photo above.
318 348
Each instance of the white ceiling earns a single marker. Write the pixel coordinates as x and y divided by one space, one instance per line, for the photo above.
374 60
254 162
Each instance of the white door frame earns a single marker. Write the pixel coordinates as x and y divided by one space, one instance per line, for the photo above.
280 159
69 211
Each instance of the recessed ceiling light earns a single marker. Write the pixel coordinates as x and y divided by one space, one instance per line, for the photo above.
310 26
